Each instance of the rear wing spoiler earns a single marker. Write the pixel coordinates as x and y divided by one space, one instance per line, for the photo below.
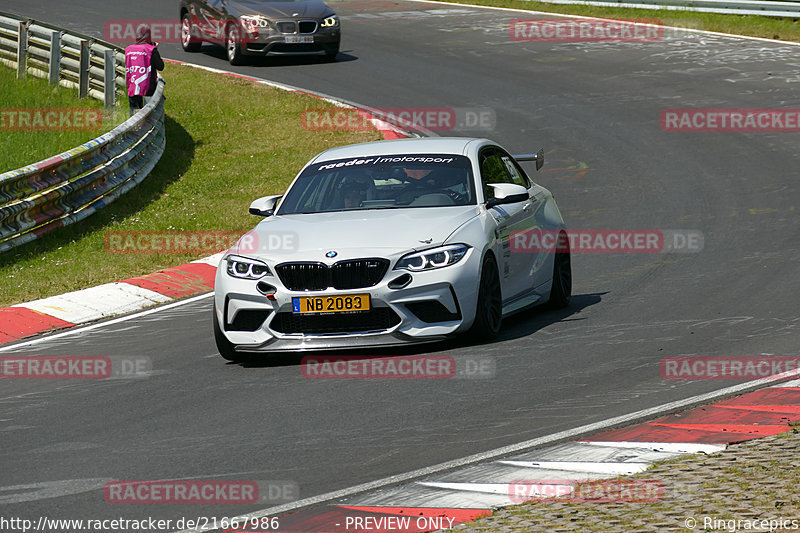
538 157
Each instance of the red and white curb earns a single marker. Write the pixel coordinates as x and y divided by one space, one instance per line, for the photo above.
112 299
460 495
108 300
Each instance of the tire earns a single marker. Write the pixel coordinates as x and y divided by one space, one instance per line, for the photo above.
561 292
489 309
233 46
331 53
224 346
189 41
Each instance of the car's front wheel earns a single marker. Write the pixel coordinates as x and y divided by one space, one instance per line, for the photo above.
561 292
489 311
189 40
331 52
233 45
224 346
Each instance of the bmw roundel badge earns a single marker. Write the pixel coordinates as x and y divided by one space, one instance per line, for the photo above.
332 253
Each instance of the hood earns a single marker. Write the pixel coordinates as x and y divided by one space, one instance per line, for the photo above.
352 234
279 10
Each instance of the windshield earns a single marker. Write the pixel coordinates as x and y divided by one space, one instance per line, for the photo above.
382 182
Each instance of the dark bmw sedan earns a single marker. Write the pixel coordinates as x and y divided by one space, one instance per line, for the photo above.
260 27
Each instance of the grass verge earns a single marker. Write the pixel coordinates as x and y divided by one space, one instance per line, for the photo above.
25 146
786 29
229 141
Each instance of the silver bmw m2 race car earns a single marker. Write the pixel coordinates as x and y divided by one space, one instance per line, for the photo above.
391 242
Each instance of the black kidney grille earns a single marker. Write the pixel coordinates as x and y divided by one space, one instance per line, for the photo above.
287 27
358 273
308 26
304 276
344 275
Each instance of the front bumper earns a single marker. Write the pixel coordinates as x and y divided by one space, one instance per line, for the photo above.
272 43
433 306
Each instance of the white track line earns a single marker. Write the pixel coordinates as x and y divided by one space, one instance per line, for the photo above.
666 447
586 17
569 434
617 469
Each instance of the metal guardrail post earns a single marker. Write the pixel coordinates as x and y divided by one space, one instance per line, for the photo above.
54 74
22 49
110 78
83 69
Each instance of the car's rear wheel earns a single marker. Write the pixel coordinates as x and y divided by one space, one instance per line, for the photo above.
561 292
233 45
489 311
189 40
224 346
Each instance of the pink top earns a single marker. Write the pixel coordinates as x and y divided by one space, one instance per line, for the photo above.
137 68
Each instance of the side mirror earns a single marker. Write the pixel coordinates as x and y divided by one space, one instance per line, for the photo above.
538 157
265 207
506 193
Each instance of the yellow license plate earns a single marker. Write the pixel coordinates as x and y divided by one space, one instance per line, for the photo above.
347 303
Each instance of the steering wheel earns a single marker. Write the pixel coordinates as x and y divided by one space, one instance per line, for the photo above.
457 197
413 189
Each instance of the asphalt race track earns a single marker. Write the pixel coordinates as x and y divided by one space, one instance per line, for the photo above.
595 109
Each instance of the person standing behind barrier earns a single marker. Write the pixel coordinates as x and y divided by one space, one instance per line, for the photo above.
142 63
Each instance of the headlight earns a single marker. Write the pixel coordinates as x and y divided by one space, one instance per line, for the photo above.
246 268
433 258
252 22
330 22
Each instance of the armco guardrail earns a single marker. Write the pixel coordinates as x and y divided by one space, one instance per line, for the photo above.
71 186
82 62
731 7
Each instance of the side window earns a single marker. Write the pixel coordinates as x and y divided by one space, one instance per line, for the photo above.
493 170
517 175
